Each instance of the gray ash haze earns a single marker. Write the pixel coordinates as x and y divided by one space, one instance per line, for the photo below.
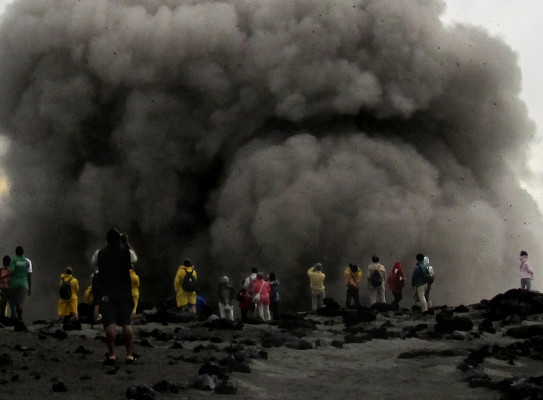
273 134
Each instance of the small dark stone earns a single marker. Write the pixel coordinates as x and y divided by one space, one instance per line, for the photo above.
226 387
461 309
59 387
82 350
206 382
212 368
60 334
162 386
5 359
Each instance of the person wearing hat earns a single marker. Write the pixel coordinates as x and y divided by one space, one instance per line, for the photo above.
526 272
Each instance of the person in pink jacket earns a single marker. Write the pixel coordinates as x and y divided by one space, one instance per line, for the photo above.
261 296
526 272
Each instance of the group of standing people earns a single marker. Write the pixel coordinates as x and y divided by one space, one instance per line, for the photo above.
114 290
258 296
15 283
377 277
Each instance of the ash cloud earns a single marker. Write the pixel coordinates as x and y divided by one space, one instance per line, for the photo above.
264 133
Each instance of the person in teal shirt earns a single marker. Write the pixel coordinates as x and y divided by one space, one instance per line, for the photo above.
20 282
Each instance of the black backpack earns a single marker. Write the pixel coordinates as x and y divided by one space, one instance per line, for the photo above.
376 279
65 289
189 282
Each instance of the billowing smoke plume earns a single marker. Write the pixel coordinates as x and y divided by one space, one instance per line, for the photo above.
262 133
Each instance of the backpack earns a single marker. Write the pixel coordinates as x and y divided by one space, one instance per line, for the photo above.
189 282
427 276
65 289
376 279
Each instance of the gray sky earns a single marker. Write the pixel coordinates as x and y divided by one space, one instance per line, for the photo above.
518 24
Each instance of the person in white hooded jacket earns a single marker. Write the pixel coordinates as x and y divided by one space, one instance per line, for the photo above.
526 272
429 284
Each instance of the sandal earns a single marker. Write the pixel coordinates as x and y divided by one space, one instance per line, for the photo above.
130 360
111 360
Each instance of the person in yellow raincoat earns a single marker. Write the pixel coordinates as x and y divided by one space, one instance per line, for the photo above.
68 306
135 279
185 299
88 296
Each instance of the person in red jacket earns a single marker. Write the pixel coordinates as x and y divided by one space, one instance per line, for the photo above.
261 296
396 282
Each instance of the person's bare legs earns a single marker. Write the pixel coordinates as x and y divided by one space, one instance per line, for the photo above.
111 332
129 341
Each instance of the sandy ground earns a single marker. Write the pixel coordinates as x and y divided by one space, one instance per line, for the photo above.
33 362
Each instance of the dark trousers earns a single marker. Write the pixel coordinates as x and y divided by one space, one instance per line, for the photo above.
352 294
244 312
274 308
4 298
397 298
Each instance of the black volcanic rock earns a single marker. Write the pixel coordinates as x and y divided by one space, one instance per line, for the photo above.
486 326
515 301
350 316
212 368
448 323
59 387
381 307
226 387
476 378
59 334
331 308
297 323
524 332
206 382
140 392
5 359
461 309
366 315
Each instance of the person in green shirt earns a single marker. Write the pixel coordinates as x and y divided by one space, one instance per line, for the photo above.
20 282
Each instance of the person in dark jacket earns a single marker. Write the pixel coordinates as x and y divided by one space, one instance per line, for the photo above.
113 292
418 283
274 295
